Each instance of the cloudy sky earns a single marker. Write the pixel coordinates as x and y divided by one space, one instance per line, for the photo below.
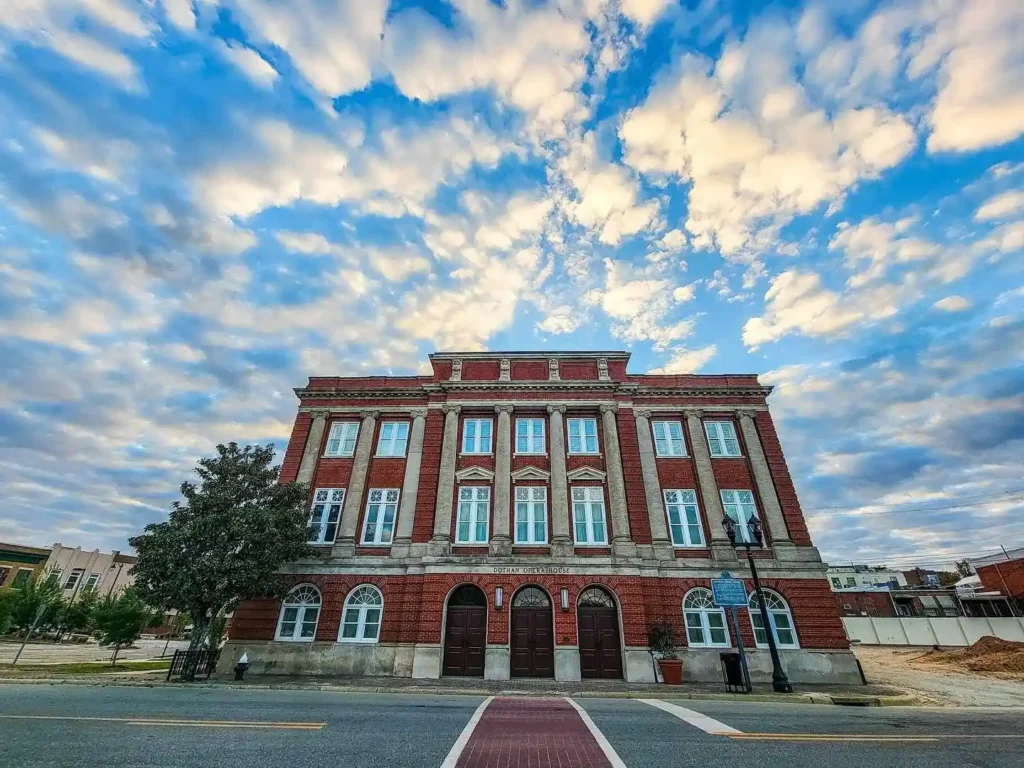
202 202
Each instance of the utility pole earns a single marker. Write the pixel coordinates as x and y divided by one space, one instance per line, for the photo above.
39 616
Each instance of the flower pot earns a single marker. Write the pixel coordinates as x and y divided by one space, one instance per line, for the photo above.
671 671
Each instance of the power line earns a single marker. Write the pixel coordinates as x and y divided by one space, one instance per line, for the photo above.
992 496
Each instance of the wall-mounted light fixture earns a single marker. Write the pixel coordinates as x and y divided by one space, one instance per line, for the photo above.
565 599
499 597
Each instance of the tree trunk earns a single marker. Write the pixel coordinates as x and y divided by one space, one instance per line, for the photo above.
113 660
200 626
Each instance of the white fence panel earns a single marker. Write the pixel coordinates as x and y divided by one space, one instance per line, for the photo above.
948 632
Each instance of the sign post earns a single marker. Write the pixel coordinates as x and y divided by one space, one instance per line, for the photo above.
731 593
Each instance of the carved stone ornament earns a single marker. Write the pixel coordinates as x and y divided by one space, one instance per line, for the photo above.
643 413
506 367
695 413
369 414
503 408
456 370
554 408
447 408
609 408
746 414
553 370
319 414
602 369
418 413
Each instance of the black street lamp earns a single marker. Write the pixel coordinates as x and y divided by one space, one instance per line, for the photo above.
780 683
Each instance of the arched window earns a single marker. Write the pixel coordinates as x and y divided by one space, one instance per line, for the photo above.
531 597
300 611
781 618
705 622
595 597
360 621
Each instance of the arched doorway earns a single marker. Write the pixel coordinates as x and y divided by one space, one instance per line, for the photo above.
533 637
465 632
598 625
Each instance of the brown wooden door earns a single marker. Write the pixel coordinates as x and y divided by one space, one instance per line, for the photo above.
464 641
600 655
533 643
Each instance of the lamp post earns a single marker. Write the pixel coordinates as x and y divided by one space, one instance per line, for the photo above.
780 683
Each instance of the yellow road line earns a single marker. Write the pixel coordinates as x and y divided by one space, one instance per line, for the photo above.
283 725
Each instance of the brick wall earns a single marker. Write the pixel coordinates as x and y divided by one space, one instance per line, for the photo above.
430 467
529 370
1004 578
865 604
296 446
784 487
632 473
585 370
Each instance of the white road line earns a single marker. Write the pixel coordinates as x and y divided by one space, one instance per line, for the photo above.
460 743
602 742
696 719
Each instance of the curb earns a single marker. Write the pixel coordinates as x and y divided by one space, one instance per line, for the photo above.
797 698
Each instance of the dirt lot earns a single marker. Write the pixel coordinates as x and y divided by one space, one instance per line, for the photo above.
988 676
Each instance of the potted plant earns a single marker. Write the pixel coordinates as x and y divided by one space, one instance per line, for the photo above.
661 637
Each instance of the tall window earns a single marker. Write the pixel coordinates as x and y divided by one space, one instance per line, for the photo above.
582 435
705 622
300 612
21 578
668 438
739 505
722 438
683 518
529 435
325 514
476 435
381 511
73 578
360 620
531 515
588 516
393 437
341 441
92 581
474 515
780 616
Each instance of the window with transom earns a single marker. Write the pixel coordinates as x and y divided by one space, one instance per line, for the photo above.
74 577
531 597
476 435
474 515
739 505
722 441
325 515
530 436
300 612
394 436
595 597
381 511
683 518
668 438
531 515
588 516
582 435
705 621
341 440
361 617
779 615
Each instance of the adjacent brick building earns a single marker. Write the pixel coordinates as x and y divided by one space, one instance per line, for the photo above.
530 514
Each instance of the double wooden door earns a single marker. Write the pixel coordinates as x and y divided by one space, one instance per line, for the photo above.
533 642
600 653
465 639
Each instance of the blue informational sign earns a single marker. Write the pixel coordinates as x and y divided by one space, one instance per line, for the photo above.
729 592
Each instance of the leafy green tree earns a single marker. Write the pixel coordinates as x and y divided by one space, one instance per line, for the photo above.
963 567
226 540
121 619
7 598
43 593
78 614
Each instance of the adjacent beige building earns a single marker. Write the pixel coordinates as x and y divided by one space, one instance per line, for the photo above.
110 573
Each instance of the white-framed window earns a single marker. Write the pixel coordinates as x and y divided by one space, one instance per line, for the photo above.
300 612
780 617
722 439
22 577
705 621
74 577
668 438
582 435
531 515
588 516
341 440
393 438
739 505
474 514
530 436
325 514
92 580
361 617
476 435
837 583
4 573
381 511
683 518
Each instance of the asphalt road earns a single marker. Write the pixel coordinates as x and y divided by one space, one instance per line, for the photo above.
63 725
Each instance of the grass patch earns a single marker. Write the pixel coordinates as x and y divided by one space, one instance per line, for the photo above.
87 668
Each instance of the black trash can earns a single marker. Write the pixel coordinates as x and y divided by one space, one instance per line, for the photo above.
732 672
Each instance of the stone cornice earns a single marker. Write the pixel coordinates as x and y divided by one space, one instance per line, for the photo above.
454 388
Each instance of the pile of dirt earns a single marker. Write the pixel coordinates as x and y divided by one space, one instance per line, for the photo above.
989 654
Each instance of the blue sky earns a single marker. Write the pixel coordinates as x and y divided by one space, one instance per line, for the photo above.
202 202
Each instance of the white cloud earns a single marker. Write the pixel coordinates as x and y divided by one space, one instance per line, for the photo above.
685 360
880 244
86 51
953 304
254 66
1001 206
180 13
561 319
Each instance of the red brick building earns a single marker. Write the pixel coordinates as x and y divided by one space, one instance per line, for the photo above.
530 514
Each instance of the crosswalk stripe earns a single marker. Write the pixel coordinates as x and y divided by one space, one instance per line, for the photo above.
460 743
696 719
602 742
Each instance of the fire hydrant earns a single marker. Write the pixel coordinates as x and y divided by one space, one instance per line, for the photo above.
241 666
